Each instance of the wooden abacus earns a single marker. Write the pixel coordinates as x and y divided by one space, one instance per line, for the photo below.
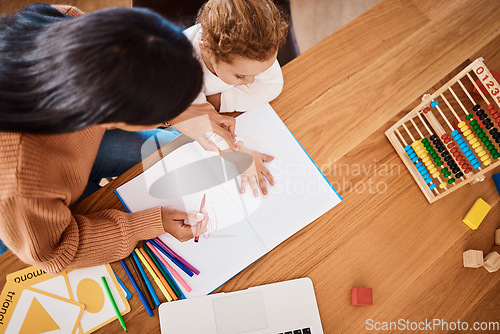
448 142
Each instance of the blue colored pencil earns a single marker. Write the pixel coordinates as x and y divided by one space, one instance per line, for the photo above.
139 292
146 280
173 259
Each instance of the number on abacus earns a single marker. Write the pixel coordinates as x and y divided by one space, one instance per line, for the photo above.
479 70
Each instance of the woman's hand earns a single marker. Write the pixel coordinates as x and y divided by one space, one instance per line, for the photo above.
173 222
253 172
198 119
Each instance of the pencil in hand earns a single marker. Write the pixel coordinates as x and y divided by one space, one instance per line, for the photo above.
198 226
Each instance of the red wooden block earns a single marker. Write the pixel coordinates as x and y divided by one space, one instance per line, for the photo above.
495 74
362 296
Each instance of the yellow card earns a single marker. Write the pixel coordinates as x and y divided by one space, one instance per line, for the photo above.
28 310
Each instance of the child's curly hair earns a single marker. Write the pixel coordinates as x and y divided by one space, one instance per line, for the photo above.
253 29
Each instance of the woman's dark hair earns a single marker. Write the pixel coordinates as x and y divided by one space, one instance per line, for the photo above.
61 74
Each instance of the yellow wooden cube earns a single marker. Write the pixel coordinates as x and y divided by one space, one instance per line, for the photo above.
476 214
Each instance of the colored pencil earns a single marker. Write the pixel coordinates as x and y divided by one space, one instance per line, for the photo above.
154 274
158 271
164 271
146 280
170 269
142 283
113 302
139 292
177 256
198 226
173 259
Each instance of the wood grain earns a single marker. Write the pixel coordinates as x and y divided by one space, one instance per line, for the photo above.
339 98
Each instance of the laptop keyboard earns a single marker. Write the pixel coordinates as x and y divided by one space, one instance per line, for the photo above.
298 331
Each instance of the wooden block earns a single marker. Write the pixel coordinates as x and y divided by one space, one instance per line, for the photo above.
362 296
473 258
476 214
497 237
492 262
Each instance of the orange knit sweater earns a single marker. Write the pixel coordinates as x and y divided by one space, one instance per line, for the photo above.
40 177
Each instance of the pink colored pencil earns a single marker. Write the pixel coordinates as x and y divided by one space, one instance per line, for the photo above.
198 226
172 271
177 256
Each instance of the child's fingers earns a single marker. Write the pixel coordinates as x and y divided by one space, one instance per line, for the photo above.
268 175
262 184
266 157
254 185
244 181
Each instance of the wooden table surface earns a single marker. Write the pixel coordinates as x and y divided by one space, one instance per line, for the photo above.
339 98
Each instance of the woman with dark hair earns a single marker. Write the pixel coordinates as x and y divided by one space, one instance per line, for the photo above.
64 81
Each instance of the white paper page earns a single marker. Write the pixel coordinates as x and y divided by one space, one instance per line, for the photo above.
301 195
218 256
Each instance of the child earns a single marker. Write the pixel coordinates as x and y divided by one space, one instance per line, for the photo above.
237 43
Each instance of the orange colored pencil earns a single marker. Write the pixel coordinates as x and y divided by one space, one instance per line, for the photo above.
158 273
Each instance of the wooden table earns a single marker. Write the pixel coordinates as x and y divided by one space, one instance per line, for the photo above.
339 98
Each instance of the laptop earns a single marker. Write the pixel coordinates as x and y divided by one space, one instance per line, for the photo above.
287 307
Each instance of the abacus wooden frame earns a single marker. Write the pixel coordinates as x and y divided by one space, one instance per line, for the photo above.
398 146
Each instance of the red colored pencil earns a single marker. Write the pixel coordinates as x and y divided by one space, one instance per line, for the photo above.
198 226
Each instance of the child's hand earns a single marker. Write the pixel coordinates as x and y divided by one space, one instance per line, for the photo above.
255 173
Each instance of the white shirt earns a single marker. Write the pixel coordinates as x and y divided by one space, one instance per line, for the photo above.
266 87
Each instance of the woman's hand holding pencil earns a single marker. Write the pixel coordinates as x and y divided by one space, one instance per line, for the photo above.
174 223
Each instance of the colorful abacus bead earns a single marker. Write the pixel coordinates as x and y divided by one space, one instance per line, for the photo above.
411 153
425 165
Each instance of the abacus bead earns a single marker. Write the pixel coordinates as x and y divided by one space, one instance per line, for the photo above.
488 126
470 137
434 155
455 170
453 150
462 146
418 164
493 150
444 170
456 154
415 159
496 155
474 161
433 170
473 140
439 163
478 149
426 110
476 166
447 174
493 131
459 158
486 121
434 136
450 181
446 140
434 103
462 124
428 163
473 122
444 136
432 186
490 106
467 132
487 162
435 175
467 170
468 154
425 175
468 117
436 159
450 145
476 144
480 112
482 117
454 133
484 158
428 180
481 153
460 141
496 135
476 107
459 175
442 185
497 140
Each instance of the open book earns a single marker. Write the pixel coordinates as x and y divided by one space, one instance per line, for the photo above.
242 228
